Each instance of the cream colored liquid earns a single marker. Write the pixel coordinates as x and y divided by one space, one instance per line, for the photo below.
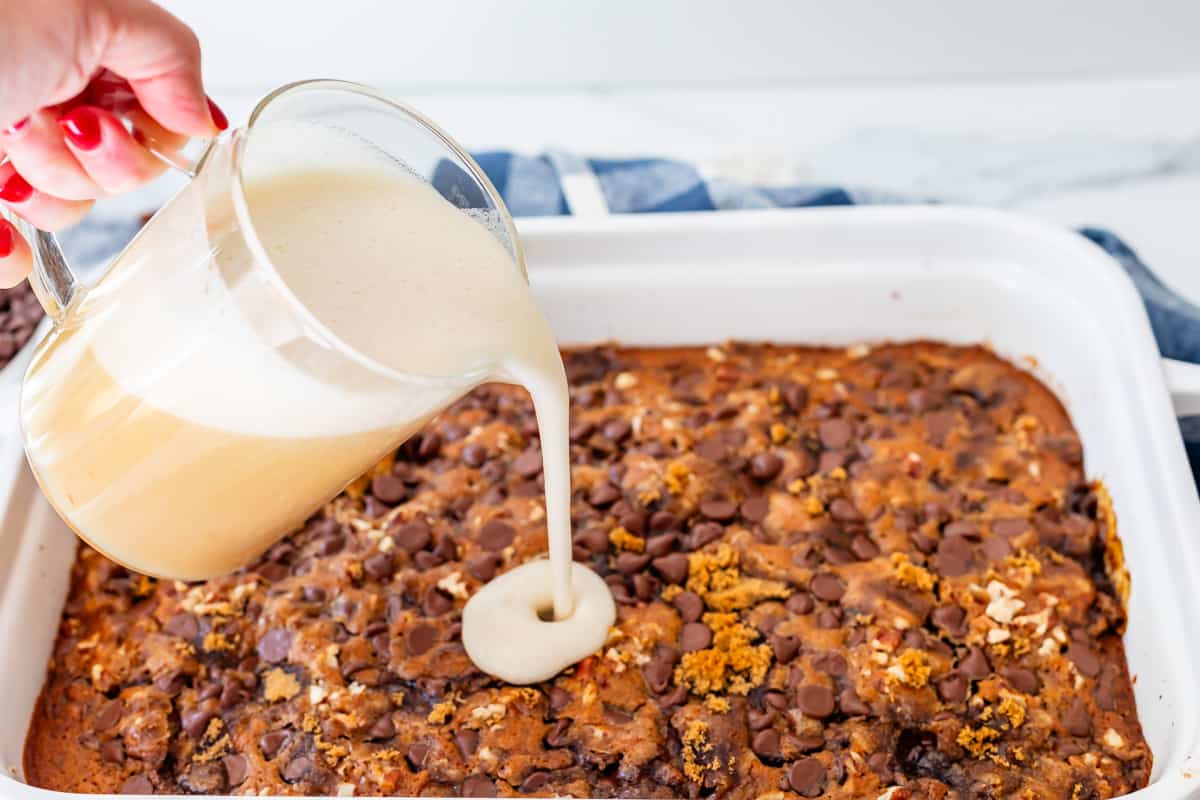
182 435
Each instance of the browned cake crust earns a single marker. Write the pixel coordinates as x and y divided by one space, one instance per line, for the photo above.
849 574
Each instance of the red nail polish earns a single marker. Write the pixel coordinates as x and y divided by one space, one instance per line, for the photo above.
82 128
6 239
218 116
16 190
17 127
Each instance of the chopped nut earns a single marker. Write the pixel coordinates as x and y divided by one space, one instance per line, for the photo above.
625 380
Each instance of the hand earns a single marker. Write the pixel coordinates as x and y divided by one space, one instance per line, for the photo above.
70 72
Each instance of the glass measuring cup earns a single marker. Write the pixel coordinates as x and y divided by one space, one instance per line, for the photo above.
188 411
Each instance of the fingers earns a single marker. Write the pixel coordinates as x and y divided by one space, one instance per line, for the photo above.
36 147
15 256
160 57
43 210
106 151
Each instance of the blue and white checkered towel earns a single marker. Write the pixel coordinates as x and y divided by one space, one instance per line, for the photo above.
557 184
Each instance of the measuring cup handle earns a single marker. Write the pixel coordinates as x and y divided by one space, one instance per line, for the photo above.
187 160
52 280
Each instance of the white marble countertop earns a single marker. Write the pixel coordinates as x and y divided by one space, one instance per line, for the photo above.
1120 153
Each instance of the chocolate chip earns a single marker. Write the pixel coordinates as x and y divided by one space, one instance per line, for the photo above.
712 449
430 445
975 664
1084 658
852 705
378 566
557 735
435 602
629 563
842 510
695 636
467 741
673 568
815 700
755 509
478 786
658 546
535 781
236 768
926 544
388 488
112 752
834 433
271 743
1009 526
659 669
879 764
332 544
593 540
195 722
766 743
1077 721
633 521
383 728
718 510
645 586
952 687
760 719
617 430
828 587
1021 679
954 556
785 648
689 605
312 594
704 533
765 466
800 603
663 521
864 548
938 424
474 455
417 753
829 618
183 625
603 494
420 638
529 464
412 536
496 535
136 784
997 548
273 647
109 715
949 618
776 700
807 777
831 663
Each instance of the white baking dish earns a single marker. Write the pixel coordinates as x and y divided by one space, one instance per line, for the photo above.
819 276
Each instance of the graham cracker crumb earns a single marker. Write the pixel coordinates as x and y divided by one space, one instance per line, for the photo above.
280 685
677 477
977 741
779 433
911 575
441 712
747 593
1013 709
695 748
731 664
717 704
215 640
624 540
911 669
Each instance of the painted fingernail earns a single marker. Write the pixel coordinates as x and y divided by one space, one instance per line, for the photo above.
17 127
82 128
6 239
218 116
16 190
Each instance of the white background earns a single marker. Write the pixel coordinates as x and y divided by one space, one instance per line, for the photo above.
772 89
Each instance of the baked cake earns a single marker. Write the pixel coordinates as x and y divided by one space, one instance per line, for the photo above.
864 573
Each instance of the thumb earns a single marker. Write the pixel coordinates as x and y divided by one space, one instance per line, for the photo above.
160 58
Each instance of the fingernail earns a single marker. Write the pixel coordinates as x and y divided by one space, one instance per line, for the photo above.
218 116
16 190
82 128
6 239
17 127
